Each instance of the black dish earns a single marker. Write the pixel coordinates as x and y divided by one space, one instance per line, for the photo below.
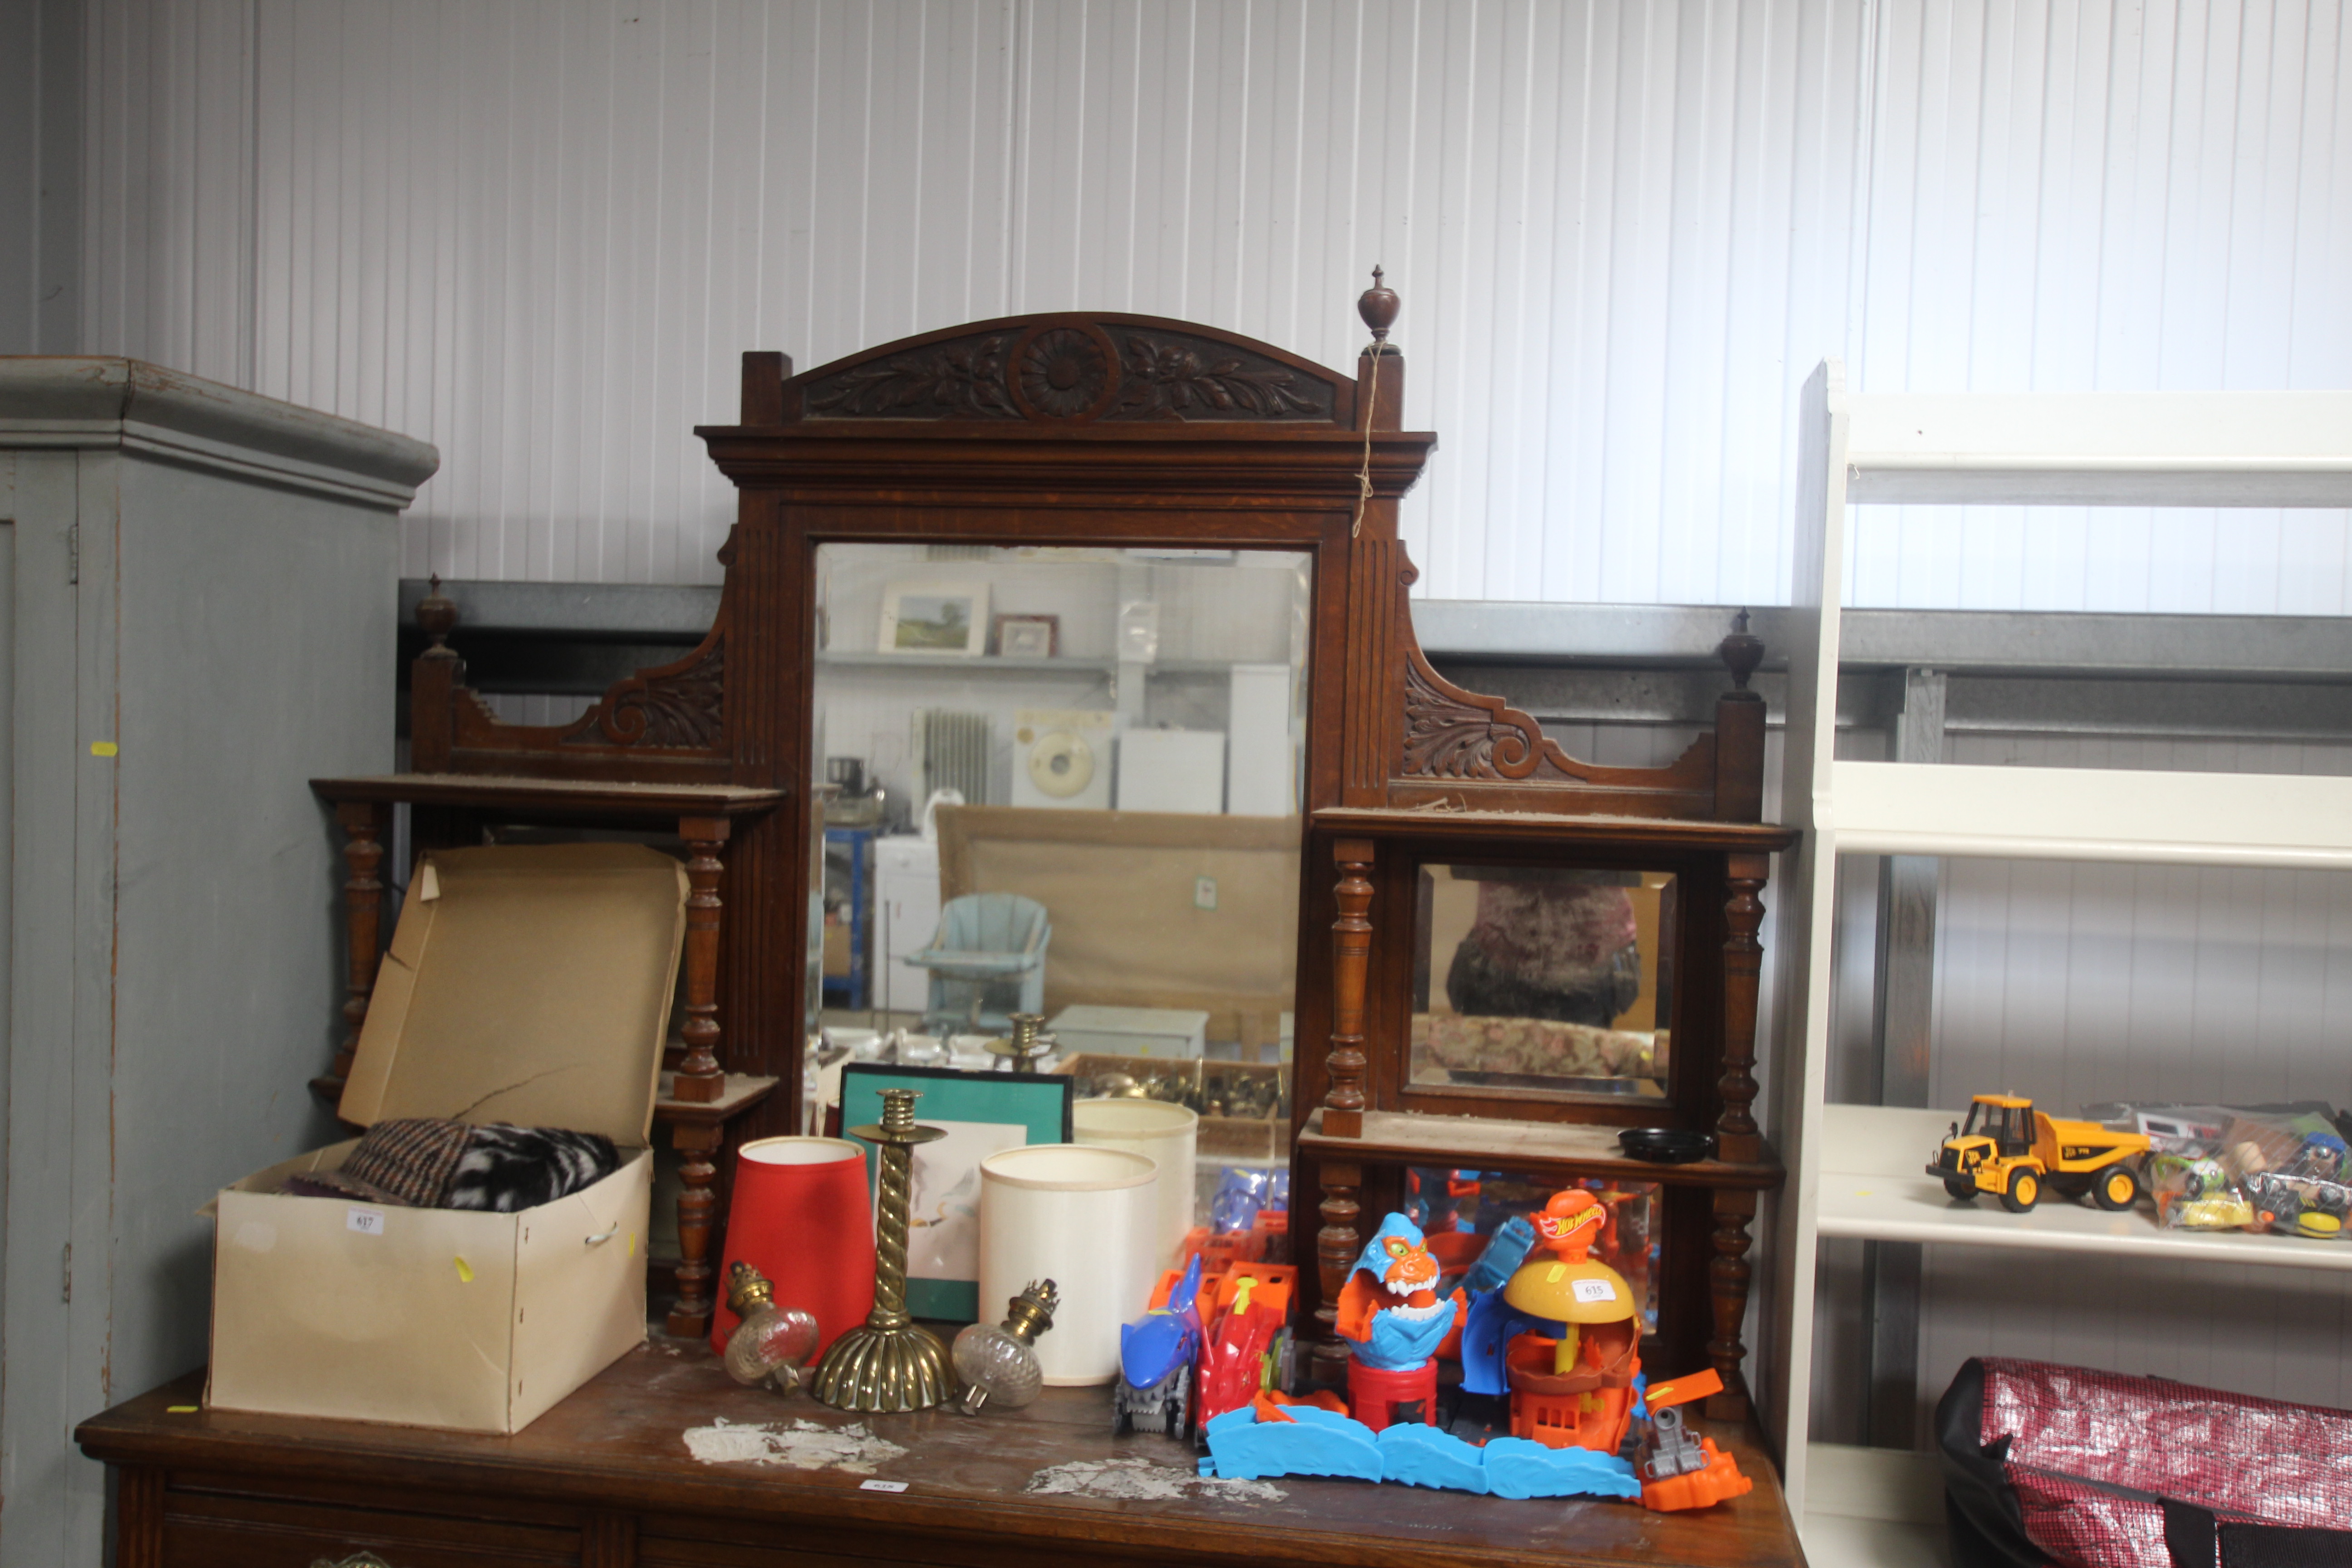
1666 1146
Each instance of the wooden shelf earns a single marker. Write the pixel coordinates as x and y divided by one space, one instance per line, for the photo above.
1874 1508
1542 828
1874 1185
1417 1138
515 793
740 1093
1059 664
2093 814
974 664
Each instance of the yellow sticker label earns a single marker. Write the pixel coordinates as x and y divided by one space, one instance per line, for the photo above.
633 1243
465 1272
104 749
181 1409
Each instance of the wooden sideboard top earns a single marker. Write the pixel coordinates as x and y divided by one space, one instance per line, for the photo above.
619 1446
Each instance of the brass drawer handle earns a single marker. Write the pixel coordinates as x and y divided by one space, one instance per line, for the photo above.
357 1560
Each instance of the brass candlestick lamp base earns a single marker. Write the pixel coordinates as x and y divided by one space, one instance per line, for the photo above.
1026 1044
892 1363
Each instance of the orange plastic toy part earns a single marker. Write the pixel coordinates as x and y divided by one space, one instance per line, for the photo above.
1271 1285
1683 1390
1212 1279
1222 1251
1699 1488
1571 1224
1269 1403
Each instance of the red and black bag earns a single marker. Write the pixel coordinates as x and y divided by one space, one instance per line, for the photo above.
2059 1466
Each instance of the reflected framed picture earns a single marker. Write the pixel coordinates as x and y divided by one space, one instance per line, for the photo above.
982 1114
1028 637
935 618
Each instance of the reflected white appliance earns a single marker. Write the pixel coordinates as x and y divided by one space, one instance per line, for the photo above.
1259 749
1062 757
905 918
1172 770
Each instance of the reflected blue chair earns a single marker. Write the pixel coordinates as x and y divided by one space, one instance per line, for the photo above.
987 962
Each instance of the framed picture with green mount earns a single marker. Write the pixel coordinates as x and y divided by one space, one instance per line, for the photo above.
981 1113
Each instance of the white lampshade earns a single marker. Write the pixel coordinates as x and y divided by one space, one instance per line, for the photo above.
1166 1134
1083 1218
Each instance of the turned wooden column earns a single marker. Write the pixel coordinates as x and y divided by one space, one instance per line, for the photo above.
699 1078
1736 1133
698 1207
1351 950
363 823
1728 1275
1336 1246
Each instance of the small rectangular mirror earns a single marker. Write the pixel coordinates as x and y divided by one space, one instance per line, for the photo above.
1553 979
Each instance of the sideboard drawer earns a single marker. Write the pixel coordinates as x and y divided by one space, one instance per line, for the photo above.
212 1532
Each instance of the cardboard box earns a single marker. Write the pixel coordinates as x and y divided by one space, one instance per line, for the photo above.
529 984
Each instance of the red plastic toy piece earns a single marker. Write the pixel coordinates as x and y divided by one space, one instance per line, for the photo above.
1375 1396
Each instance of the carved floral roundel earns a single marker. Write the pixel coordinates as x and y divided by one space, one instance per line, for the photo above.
1062 373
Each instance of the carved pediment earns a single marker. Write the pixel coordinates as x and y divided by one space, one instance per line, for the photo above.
679 705
1456 737
1076 370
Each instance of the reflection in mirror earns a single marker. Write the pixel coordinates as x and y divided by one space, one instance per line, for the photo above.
1068 784
1466 1213
1549 978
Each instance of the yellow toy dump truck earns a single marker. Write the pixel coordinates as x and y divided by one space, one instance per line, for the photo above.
2011 1149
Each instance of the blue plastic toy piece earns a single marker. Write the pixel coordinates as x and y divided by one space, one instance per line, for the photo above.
1420 1455
1155 1361
1518 1468
1316 1442
1241 1193
1493 1324
1512 1241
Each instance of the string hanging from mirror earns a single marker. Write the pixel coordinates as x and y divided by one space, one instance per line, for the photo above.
1364 473
1378 305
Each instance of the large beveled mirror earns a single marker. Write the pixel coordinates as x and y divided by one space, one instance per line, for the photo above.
1067 781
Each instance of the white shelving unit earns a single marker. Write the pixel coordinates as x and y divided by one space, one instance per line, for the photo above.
1857 1171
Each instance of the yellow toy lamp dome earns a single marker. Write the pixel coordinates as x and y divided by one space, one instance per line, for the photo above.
1582 1292
1569 1288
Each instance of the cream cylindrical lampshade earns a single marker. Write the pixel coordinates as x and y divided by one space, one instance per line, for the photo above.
1167 1135
1083 1218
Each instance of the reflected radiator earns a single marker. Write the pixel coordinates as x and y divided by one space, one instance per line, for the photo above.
951 750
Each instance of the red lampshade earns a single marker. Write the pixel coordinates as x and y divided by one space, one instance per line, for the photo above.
799 1215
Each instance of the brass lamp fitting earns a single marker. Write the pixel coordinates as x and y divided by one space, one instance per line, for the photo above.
891 1364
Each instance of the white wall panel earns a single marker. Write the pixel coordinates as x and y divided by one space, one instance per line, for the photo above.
2080 196
538 232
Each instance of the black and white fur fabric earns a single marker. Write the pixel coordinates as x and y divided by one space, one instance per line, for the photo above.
424 1162
505 1169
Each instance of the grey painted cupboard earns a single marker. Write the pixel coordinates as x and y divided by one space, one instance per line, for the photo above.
198 588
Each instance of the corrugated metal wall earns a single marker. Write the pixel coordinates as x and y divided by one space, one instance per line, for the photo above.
538 232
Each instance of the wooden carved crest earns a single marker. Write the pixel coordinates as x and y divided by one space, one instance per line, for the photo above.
1079 370
677 705
1485 747
1450 733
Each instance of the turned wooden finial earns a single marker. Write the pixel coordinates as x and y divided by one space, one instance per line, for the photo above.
1379 306
1740 652
436 613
